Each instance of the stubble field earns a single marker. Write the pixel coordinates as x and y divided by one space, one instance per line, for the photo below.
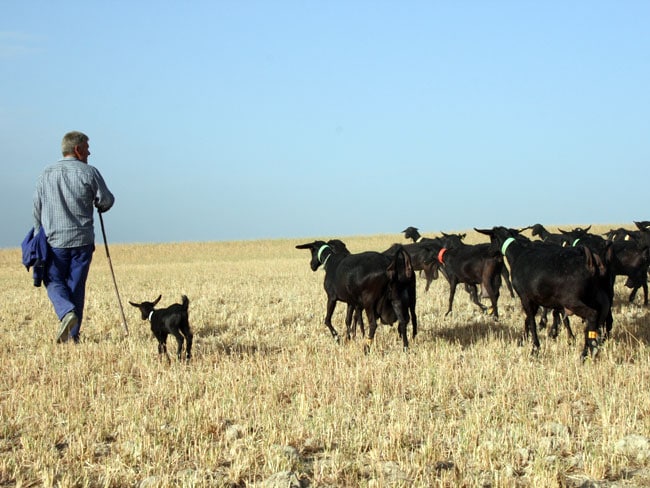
269 399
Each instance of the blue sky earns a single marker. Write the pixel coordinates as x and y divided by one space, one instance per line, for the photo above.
238 120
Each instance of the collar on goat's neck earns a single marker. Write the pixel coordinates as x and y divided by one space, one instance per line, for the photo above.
441 255
419 239
575 243
507 243
150 315
320 252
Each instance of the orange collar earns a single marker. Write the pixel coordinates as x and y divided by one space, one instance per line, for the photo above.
441 254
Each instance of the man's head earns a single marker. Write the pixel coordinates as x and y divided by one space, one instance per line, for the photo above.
76 144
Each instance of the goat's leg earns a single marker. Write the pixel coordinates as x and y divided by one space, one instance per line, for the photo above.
372 320
179 341
604 300
590 348
402 319
331 305
493 293
162 348
473 293
633 294
452 292
571 339
430 273
554 330
414 319
350 328
532 328
188 347
358 319
543 318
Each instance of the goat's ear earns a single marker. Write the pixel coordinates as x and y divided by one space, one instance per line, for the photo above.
156 300
304 246
487 232
134 304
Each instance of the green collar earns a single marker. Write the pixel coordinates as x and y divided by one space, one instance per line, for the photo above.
320 251
575 243
507 242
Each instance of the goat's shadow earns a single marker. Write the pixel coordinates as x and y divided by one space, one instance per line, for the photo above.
469 333
212 343
633 329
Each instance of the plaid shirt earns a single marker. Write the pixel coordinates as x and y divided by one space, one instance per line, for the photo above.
65 195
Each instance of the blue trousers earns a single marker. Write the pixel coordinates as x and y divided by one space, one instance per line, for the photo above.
66 271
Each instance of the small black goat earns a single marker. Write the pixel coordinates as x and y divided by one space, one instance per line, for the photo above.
171 320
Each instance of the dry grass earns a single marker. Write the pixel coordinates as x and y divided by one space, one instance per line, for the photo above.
268 391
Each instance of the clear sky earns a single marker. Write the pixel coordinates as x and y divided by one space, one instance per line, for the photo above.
237 120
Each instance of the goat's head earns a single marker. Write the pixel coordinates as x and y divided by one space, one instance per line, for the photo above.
498 237
452 240
320 252
538 230
642 225
146 307
411 233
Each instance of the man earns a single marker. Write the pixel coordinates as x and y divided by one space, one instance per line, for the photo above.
66 192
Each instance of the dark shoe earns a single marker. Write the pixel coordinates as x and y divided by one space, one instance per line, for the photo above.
68 322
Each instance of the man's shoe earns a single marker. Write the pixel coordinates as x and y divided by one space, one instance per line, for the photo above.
68 322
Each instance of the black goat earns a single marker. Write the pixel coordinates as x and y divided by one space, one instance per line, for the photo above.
383 286
540 231
456 240
413 234
422 259
472 265
629 258
171 320
420 253
555 277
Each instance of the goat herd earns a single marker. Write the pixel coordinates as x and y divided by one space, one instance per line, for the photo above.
570 273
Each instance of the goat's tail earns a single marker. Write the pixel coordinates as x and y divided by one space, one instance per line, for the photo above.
401 262
186 302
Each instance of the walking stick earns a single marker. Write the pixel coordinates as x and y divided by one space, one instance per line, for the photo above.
110 265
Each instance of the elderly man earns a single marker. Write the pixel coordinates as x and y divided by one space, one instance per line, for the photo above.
65 195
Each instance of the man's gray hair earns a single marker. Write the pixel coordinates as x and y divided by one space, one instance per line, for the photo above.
71 140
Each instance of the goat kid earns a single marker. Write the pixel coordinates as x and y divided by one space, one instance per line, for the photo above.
171 320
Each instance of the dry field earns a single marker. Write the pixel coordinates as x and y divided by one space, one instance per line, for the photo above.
270 400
